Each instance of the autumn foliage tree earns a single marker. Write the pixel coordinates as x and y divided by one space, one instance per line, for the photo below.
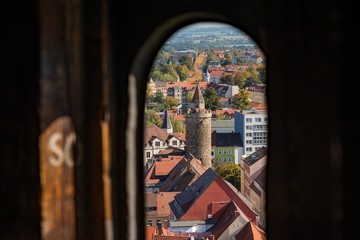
241 100
230 172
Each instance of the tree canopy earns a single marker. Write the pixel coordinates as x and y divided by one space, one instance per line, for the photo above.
241 100
230 172
178 126
152 118
212 100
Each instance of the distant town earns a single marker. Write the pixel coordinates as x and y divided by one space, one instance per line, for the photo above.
205 137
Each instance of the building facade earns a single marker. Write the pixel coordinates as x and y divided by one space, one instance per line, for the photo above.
252 126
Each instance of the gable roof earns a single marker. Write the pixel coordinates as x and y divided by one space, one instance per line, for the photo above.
183 174
184 201
154 131
224 111
159 170
255 156
226 139
258 106
261 178
227 217
160 200
250 232
151 131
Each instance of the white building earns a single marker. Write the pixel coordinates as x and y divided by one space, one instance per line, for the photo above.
252 126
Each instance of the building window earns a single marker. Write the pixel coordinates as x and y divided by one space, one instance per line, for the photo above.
148 154
248 149
248 120
158 222
219 151
229 151
174 142
225 159
248 127
257 119
248 141
224 151
248 134
149 223
157 144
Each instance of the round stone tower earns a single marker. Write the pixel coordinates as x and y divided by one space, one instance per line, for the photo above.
198 129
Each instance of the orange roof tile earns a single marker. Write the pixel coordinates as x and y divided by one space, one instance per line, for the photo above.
164 167
250 232
258 106
153 175
228 111
186 84
216 73
154 131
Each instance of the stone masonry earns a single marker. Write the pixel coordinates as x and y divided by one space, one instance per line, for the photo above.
198 135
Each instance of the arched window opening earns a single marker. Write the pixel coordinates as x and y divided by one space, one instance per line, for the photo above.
205 135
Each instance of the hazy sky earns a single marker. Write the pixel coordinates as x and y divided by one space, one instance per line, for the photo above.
209 24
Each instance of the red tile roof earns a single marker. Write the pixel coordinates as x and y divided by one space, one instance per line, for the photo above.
226 111
229 214
151 131
160 169
210 69
183 174
216 73
258 106
224 99
193 202
154 131
250 232
160 200
186 84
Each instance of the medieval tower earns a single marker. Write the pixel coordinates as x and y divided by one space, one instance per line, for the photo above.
198 129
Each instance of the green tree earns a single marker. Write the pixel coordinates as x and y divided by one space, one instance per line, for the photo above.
240 78
178 126
254 76
169 69
228 59
182 72
149 96
187 61
189 96
212 100
227 79
241 100
262 73
211 56
158 97
220 117
230 172
152 118
171 102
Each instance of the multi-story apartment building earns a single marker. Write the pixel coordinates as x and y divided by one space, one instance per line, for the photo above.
253 181
226 148
252 126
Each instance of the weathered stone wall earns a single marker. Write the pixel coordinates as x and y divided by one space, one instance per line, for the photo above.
198 136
